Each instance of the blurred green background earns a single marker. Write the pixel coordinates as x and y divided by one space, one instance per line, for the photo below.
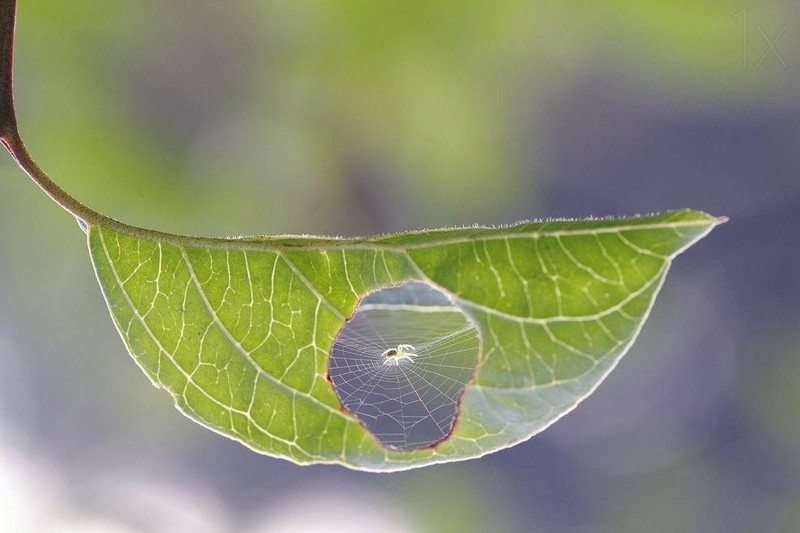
359 117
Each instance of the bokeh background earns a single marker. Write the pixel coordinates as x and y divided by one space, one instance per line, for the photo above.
358 117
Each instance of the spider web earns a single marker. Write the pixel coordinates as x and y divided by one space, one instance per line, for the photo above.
414 403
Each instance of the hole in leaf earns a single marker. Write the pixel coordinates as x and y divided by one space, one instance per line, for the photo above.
402 362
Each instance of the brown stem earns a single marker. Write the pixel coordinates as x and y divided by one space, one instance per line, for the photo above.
9 133
10 138
8 17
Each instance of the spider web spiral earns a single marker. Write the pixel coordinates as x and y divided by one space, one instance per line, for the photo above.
413 402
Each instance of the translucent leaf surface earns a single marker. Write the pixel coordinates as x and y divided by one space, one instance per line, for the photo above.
239 331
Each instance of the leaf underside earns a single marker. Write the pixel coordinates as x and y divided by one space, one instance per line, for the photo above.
239 331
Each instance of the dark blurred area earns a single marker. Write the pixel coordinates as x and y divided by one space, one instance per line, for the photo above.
359 117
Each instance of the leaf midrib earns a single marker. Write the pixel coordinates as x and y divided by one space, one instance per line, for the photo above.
273 243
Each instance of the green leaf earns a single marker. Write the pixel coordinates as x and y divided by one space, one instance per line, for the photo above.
239 331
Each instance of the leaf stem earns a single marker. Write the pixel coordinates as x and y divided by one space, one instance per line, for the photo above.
10 138
8 15
9 132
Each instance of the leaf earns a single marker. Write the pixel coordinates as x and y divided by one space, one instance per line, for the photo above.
239 331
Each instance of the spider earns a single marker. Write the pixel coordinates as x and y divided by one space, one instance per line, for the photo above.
403 352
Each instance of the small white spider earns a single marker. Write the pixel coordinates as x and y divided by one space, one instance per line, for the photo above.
403 352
